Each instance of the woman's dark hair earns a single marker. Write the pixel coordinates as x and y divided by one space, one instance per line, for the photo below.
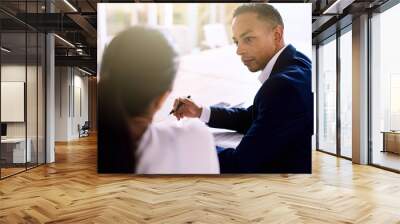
138 66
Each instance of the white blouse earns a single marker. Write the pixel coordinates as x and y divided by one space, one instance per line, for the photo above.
185 147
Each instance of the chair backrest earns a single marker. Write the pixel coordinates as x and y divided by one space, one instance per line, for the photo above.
86 124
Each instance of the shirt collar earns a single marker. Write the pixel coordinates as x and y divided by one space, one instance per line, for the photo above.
266 72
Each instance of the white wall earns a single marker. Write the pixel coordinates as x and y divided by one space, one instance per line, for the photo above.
33 126
12 73
70 83
50 94
79 117
62 81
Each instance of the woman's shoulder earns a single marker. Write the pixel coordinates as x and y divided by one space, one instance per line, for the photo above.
181 147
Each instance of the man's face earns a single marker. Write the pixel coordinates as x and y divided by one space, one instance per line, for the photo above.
256 40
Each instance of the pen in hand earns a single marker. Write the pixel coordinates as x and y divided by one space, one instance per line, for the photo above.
177 107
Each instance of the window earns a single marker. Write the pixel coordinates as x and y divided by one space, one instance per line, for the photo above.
385 89
346 94
327 97
180 14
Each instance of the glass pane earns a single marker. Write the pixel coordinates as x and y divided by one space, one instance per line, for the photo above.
13 87
386 89
31 97
31 88
327 97
346 94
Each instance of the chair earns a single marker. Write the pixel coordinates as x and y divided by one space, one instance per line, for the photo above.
84 130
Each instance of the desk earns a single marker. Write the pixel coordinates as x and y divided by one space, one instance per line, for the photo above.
391 141
13 150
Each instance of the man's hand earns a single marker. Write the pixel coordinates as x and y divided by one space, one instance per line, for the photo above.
188 108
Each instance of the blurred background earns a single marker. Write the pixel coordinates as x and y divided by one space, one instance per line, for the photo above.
195 27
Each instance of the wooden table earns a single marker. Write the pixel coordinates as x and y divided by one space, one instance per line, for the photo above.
13 150
391 141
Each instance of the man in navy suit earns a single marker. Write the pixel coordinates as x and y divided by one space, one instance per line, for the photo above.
278 126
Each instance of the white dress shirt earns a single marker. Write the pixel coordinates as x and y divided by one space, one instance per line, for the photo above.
186 147
266 72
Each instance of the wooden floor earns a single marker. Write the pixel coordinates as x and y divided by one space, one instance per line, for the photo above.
70 191
5 172
387 159
10 171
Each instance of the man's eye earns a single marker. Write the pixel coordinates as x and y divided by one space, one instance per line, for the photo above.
235 42
248 39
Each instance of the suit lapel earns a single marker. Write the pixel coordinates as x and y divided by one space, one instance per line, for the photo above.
284 59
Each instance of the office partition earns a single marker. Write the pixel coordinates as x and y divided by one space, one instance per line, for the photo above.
22 88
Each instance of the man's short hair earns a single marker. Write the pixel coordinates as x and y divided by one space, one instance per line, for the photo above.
264 11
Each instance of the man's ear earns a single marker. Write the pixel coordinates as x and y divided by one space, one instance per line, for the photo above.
278 34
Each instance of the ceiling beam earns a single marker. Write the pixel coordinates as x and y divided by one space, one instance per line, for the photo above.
81 61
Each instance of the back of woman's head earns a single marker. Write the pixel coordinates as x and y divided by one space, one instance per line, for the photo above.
138 66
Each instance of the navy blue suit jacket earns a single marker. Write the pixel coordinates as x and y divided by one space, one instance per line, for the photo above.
278 126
